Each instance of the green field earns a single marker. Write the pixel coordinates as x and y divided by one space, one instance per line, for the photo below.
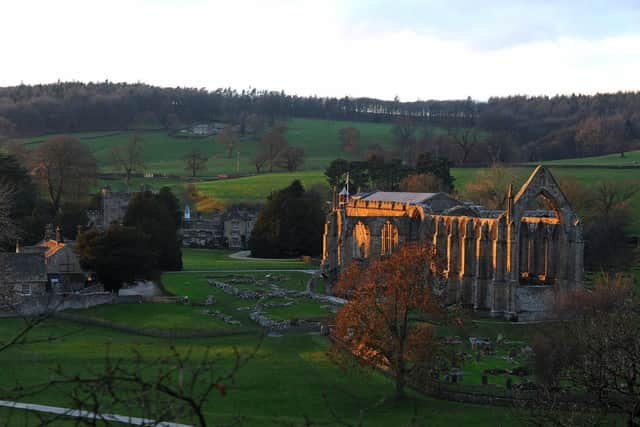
257 188
631 158
282 385
156 316
164 154
218 259
291 379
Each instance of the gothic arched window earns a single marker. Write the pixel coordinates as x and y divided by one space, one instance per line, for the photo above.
389 237
361 241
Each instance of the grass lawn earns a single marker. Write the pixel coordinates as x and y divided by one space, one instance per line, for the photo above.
218 259
164 153
631 158
284 383
256 188
159 316
196 287
302 309
319 138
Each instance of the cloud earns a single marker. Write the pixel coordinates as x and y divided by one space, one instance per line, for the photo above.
499 23
309 47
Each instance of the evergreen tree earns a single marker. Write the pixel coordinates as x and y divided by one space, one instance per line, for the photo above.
158 216
117 256
290 224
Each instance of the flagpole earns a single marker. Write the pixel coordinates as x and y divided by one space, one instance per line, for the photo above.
347 199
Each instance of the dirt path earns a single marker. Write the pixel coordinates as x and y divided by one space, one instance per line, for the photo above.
247 255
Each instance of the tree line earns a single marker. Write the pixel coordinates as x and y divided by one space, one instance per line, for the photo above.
505 129
66 107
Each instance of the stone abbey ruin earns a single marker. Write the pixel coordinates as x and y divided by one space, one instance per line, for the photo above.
510 263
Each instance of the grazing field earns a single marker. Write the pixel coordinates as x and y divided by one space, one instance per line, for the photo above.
631 158
290 378
156 316
163 154
256 188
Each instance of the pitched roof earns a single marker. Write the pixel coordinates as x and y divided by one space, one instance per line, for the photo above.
52 247
398 196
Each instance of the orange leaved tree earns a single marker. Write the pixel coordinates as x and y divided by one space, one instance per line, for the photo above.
380 325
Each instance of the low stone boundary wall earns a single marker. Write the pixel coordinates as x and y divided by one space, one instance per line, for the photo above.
154 333
34 306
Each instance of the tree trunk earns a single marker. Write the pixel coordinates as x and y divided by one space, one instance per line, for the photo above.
400 383
400 376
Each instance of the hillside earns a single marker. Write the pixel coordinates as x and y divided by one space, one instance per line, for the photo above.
319 138
631 158
164 154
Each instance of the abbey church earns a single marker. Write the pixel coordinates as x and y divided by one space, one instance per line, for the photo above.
510 263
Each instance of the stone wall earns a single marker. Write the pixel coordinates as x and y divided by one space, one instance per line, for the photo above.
534 302
53 303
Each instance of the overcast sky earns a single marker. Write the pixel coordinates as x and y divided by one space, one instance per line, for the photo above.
416 49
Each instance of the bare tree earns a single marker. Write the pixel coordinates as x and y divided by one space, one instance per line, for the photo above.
593 358
466 140
195 162
20 152
349 139
403 132
270 146
65 168
7 129
227 139
255 124
290 158
423 183
129 157
258 161
7 226
176 385
610 196
489 187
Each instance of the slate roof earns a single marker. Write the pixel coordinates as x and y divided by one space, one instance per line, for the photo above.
398 196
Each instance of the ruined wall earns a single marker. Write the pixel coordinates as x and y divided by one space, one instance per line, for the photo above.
508 263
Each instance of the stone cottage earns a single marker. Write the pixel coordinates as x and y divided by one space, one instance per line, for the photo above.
24 275
509 263
62 265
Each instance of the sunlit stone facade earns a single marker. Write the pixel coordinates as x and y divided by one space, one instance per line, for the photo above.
510 263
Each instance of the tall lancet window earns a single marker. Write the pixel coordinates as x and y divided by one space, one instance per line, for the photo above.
361 241
389 237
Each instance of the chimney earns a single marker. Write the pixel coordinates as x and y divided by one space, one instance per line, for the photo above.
49 233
